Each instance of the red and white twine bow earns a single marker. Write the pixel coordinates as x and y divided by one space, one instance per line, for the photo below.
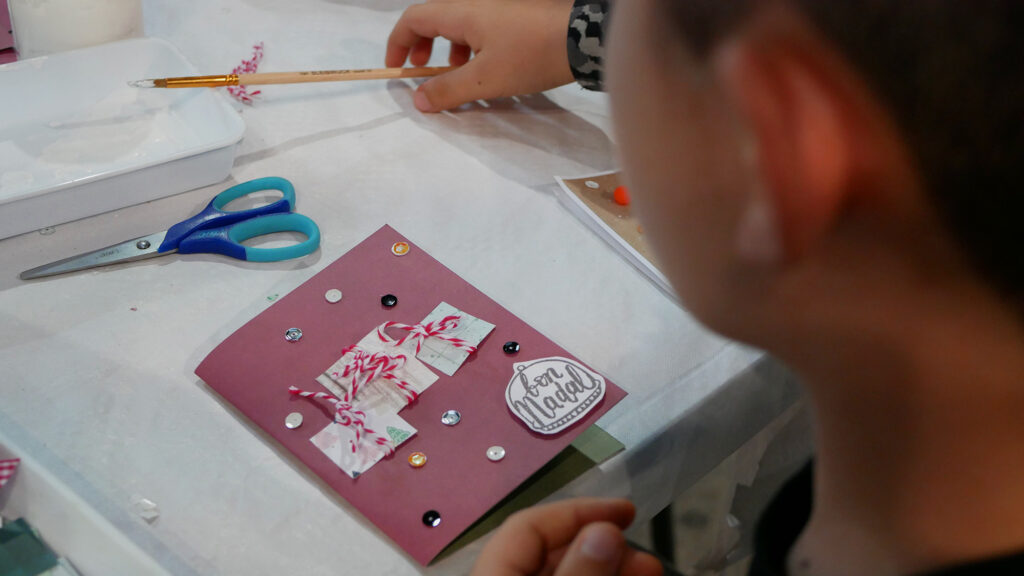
420 332
346 415
365 367
7 469
240 92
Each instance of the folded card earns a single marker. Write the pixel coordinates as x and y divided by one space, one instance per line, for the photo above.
507 399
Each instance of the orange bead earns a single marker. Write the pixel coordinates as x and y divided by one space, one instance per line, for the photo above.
417 459
621 196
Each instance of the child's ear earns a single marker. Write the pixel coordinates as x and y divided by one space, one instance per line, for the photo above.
796 116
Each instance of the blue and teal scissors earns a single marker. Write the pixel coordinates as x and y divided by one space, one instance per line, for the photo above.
214 230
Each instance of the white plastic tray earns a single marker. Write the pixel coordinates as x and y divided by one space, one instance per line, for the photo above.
76 140
67 524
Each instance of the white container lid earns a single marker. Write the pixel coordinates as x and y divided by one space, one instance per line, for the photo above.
71 119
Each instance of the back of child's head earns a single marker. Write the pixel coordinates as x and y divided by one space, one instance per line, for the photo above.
949 73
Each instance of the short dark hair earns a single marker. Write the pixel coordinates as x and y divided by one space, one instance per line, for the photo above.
950 74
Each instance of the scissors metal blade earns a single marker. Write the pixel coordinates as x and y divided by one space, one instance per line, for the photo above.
137 249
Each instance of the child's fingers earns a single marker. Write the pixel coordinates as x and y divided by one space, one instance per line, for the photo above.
479 79
459 54
596 551
601 550
422 21
464 84
523 543
420 54
634 563
395 56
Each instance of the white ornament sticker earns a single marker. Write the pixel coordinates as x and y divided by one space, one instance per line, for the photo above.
551 394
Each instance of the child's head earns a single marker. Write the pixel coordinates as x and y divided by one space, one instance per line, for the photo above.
797 160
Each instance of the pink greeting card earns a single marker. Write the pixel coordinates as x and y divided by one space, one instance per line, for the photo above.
6 38
417 398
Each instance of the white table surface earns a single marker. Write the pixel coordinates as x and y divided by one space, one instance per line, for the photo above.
96 368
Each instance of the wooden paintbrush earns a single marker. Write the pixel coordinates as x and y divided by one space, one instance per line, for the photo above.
289 77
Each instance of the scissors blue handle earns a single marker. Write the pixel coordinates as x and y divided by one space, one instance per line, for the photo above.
218 231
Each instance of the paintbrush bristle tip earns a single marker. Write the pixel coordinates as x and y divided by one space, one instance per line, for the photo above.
142 84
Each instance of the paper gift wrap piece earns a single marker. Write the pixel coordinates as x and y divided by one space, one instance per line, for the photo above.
388 279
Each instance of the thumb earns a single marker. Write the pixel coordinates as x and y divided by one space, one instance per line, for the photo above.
451 89
597 551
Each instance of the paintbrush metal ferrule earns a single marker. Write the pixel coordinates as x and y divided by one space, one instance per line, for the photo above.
197 81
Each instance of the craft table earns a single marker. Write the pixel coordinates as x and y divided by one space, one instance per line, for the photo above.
97 389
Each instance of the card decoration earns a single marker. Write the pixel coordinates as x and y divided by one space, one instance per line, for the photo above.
378 383
7 469
376 376
347 416
417 333
336 441
444 339
400 248
366 367
374 380
458 452
551 394
369 385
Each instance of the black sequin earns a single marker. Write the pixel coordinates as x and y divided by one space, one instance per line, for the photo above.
432 518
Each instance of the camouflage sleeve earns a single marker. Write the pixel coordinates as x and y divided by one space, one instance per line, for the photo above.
585 42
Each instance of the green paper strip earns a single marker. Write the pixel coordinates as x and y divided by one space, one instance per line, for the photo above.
598 445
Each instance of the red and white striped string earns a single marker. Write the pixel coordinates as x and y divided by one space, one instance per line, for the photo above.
420 332
362 369
365 367
346 415
7 469
240 92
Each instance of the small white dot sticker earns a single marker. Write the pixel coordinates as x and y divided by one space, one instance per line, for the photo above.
333 296
592 185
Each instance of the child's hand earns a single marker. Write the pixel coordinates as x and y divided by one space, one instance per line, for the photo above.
518 47
567 538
